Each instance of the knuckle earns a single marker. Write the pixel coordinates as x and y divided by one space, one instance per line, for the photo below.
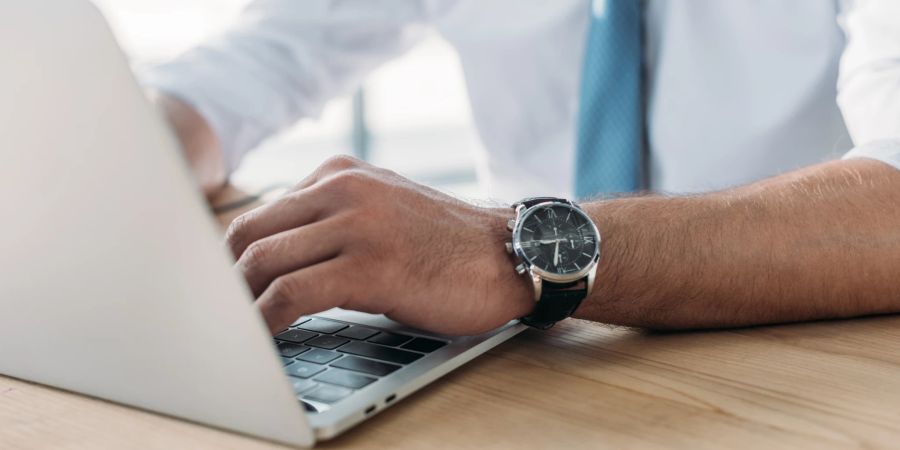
386 174
341 162
350 181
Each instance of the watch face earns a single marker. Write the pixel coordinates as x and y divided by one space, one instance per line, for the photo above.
558 238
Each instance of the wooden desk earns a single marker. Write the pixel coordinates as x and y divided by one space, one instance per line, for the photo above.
580 385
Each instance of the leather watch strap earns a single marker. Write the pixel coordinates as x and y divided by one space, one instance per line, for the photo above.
557 302
529 202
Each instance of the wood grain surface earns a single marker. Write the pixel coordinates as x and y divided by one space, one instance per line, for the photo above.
580 385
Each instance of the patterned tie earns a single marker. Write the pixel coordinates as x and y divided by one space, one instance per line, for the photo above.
610 121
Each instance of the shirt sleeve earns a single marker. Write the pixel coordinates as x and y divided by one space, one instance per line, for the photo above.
283 60
869 80
887 151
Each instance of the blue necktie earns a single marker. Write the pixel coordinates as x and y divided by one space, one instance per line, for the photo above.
610 121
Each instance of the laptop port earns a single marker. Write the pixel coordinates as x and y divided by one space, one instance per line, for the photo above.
370 410
390 398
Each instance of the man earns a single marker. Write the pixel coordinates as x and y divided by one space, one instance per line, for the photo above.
732 94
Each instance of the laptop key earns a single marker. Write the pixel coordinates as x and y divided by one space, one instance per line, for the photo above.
358 333
390 339
286 361
302 369
309 407
323 326
329 342
378 352
295 336
379 369
327 393
346 379
289 350
423 345
319 356
301 385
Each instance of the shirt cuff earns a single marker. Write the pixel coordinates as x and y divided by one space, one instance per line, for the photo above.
886 151
235 135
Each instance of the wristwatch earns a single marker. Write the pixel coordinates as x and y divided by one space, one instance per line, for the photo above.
558 246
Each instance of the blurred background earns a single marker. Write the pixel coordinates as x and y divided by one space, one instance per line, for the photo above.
412 115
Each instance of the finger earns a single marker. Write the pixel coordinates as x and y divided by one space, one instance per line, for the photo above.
306 291
288 251
291 211
320 193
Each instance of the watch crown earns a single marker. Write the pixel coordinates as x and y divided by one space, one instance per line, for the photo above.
511 224
509 248
521 269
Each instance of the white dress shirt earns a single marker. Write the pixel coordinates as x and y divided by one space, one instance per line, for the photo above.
736 90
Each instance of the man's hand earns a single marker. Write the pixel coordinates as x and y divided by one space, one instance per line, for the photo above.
199 143
357 237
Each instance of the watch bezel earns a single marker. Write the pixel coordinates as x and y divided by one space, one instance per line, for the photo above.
587 270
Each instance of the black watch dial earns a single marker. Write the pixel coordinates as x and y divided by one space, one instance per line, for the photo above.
558 238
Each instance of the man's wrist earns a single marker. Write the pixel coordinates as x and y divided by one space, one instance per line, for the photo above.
647 262
514 291
626 250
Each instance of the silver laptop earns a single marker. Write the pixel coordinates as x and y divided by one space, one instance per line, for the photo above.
116 283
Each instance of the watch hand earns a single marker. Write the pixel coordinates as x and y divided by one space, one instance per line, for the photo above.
556 254
551 241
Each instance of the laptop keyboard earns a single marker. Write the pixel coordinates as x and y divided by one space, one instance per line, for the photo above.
327 361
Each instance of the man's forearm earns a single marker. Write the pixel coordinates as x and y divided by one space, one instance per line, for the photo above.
199 143
822 242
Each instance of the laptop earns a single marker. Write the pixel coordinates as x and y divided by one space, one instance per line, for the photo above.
116 282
